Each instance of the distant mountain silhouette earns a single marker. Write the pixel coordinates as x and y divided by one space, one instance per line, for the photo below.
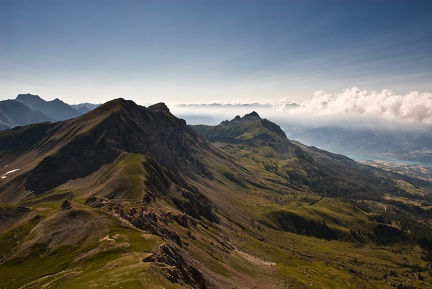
14 113
83 108
55 109
28 109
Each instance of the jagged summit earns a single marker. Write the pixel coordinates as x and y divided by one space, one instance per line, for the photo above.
250 128
247 118
253 114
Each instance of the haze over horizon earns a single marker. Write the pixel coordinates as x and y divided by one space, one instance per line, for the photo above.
177 52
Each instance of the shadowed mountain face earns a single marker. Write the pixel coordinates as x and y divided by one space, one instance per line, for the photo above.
131 196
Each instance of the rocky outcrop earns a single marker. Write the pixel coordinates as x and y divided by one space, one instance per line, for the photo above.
66 205
155 223
177 269
185 197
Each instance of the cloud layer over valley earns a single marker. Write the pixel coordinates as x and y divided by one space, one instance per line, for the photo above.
352 106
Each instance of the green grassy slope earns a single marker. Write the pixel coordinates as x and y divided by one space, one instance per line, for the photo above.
339 216
76 246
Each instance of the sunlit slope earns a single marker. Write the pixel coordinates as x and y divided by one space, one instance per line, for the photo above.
258 143
288 188
72 245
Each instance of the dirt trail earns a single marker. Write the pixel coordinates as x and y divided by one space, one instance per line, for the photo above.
254 259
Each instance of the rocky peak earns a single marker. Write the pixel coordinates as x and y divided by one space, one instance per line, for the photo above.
247 118
253 114
177 268
159 107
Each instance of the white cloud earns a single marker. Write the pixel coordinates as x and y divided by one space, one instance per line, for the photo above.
353 107
413 107
284 103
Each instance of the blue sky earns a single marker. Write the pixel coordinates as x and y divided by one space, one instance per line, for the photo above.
187 51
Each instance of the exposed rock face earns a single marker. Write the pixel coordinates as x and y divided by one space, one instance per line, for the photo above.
66 205
187 198
153 222
177 268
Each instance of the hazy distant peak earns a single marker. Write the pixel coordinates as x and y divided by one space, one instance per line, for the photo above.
29 97
14 112
54 109
89 106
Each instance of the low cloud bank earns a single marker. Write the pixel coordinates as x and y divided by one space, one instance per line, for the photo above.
413 107
351 107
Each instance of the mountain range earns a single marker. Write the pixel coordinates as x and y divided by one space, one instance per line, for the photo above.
28 109
127 196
